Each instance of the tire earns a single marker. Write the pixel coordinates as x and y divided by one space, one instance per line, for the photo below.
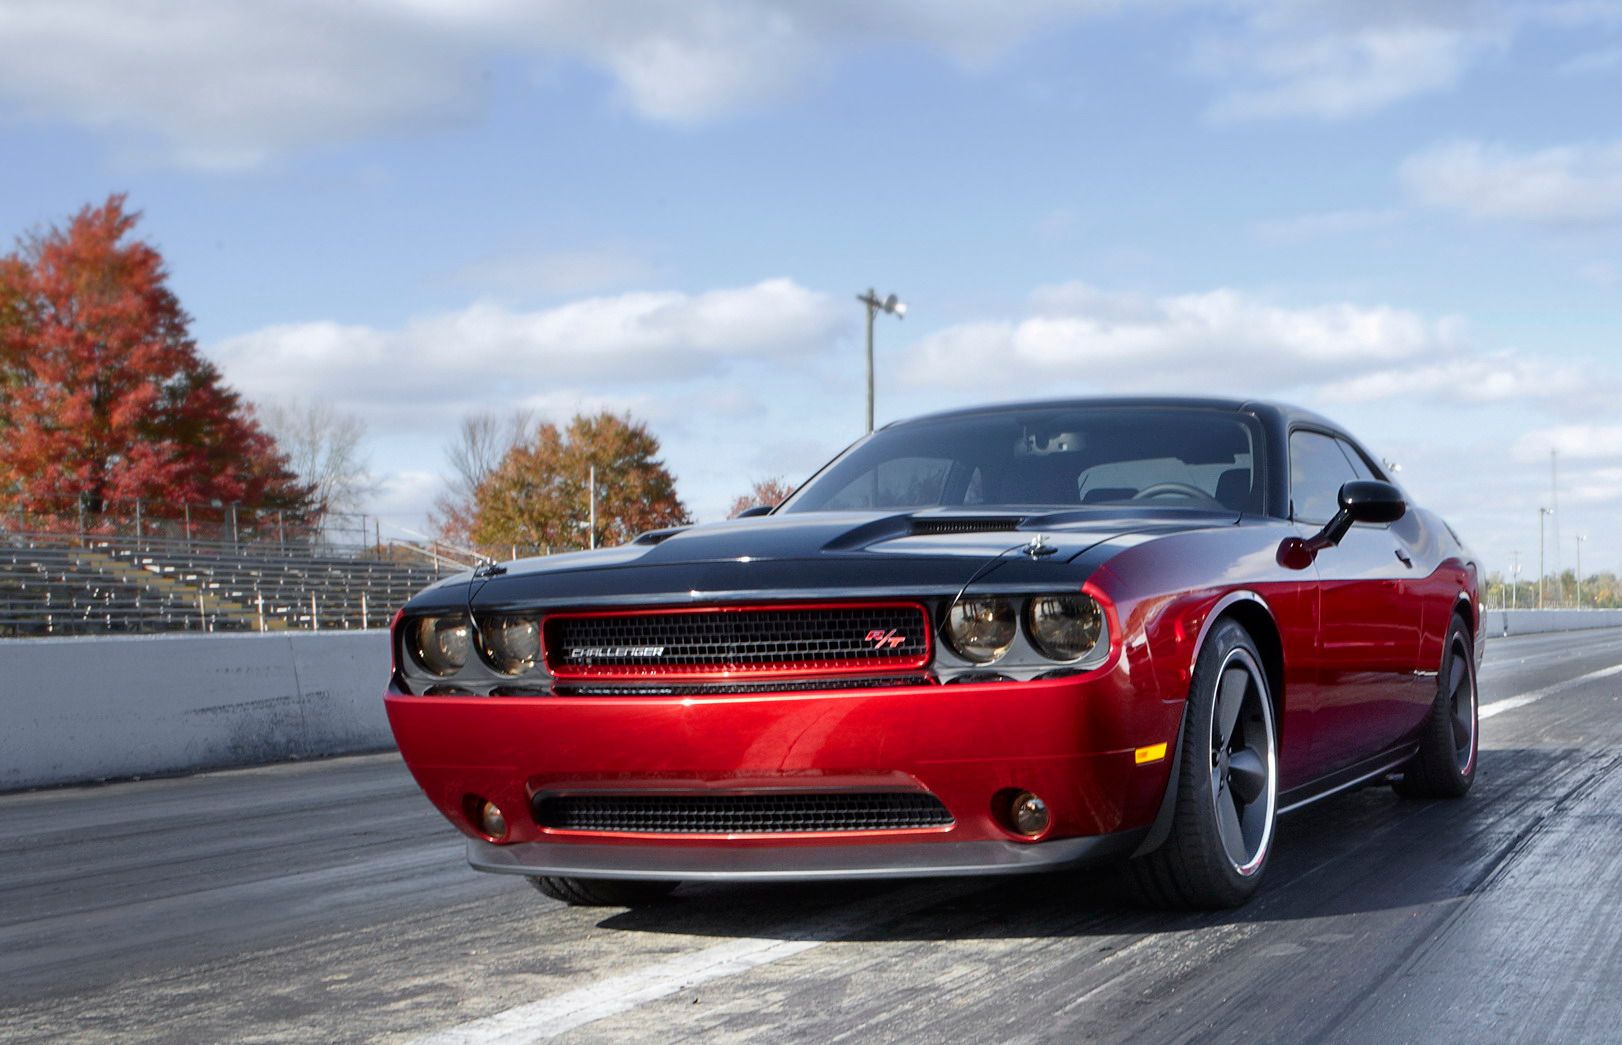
603 892
1449 742
1227 786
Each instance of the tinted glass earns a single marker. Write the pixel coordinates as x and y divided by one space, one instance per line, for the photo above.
1189 458
1359 464
895 484
1317 470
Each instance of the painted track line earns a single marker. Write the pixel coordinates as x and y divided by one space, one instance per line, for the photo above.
551 1017
1498 707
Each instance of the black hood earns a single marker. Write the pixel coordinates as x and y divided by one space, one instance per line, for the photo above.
823 554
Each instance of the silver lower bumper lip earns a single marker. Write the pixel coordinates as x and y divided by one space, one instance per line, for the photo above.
795 863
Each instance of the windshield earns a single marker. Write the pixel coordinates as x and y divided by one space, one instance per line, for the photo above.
1049 457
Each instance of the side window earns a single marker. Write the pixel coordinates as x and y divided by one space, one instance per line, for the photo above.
1317 470
975 492
1359 465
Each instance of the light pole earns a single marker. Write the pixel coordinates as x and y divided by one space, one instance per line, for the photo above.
1515 580
1554 522
1543 513
896 308
1580 539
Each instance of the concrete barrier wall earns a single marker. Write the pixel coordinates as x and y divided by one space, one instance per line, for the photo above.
1531 622
74 710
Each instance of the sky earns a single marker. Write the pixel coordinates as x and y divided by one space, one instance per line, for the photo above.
1405 216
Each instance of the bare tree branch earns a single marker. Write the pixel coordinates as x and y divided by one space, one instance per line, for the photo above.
323 447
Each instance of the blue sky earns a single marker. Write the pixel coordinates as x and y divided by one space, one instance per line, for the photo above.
1406 216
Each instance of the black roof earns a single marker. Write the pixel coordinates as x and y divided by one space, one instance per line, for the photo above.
1266 409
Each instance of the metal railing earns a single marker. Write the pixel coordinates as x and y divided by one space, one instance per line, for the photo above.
214 522
55 583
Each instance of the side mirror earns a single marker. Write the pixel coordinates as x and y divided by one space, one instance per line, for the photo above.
1371 501
750 513
1361 501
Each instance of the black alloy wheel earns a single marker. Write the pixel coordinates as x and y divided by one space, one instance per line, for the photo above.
1445 766
1227 784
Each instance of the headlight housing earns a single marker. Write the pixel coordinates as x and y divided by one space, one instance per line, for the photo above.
438 644
981 629
512 645
1064 627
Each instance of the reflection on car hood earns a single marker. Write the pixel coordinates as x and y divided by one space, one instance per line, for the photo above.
894 551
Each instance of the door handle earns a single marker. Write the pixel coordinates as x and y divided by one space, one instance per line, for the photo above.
1406 561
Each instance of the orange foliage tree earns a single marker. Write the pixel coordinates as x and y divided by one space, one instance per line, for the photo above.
770 492
536 498
103 395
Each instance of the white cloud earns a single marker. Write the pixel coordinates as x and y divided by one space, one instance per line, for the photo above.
232 85
1079 339
227 85
1334 59
453 360
1216 340
1471 378
1567 185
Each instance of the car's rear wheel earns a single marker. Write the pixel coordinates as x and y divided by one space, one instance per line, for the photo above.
603 892
1227 786
1445 766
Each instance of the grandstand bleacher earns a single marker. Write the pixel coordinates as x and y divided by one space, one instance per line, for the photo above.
73 584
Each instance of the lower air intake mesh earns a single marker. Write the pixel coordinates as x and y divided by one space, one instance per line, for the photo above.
741 814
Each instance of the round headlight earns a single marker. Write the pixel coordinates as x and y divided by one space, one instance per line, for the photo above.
980 630
1063 627
439 644
511 644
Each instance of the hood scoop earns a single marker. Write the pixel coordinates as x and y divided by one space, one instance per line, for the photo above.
986 524
657 536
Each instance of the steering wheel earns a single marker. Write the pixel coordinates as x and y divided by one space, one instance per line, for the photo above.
1154 490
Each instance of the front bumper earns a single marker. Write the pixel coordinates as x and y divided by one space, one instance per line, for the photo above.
1069 740
801 863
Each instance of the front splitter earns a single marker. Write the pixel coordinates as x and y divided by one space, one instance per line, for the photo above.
796 863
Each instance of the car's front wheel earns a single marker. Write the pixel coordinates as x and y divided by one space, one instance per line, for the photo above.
603 892
1227 786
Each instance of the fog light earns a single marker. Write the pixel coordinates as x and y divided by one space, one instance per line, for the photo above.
1028 814
491 822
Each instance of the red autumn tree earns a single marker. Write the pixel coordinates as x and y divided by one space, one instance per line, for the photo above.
103 395
537 498
769 492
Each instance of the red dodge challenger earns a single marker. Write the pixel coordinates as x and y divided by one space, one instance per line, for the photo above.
1008 638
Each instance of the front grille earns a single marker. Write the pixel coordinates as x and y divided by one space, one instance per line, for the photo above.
741 814
714 689
777 641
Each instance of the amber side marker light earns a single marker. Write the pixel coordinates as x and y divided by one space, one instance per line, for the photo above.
1152 753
